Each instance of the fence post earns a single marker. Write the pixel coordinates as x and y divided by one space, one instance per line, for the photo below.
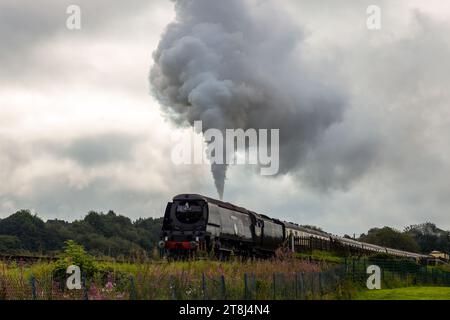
204 286
274 286
172 288
33 287
284 286
302 286
245 286
320 284
425 275
222 282
85 291
253 291
353 270
132 289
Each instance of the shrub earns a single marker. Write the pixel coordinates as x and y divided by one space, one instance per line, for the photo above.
74 254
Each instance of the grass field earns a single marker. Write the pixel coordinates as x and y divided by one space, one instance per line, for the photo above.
321 256
409 293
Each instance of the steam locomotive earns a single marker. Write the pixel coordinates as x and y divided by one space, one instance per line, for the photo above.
193 222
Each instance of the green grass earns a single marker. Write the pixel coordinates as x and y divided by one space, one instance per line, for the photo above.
321 255
409 293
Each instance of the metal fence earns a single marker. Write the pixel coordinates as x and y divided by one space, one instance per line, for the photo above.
396 273
312 285
204 287
333 283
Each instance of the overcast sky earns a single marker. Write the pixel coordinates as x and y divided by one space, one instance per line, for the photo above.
80 131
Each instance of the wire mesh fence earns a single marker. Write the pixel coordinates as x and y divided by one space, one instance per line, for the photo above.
396 273
300 285
330 283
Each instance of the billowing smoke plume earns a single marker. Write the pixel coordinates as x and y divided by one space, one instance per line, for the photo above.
240 64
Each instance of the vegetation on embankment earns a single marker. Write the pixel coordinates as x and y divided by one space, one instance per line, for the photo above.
284 277
318 255
150 279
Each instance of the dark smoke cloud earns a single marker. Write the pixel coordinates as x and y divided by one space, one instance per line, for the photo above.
242 64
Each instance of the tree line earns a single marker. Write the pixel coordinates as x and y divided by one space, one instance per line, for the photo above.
420 238
115 235
101 234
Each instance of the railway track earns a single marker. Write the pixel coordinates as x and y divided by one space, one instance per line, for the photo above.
26 258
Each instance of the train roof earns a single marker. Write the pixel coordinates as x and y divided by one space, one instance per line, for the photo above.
225 205
219 203
295 226
210 200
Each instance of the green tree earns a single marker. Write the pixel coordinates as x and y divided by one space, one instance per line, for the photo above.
391 238
10 245
28 228
74 254
429 237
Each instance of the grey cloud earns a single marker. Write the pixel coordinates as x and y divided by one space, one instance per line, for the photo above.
342 157
88 150
397 94
395 136
12 157
27 26
101 149
66 177
54 197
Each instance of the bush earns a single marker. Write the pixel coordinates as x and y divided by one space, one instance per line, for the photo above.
74 254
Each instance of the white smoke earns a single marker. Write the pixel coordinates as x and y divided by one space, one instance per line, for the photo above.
240 64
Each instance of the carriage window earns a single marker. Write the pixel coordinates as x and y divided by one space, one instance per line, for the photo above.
189 212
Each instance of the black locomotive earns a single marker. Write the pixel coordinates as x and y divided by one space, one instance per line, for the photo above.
193 222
